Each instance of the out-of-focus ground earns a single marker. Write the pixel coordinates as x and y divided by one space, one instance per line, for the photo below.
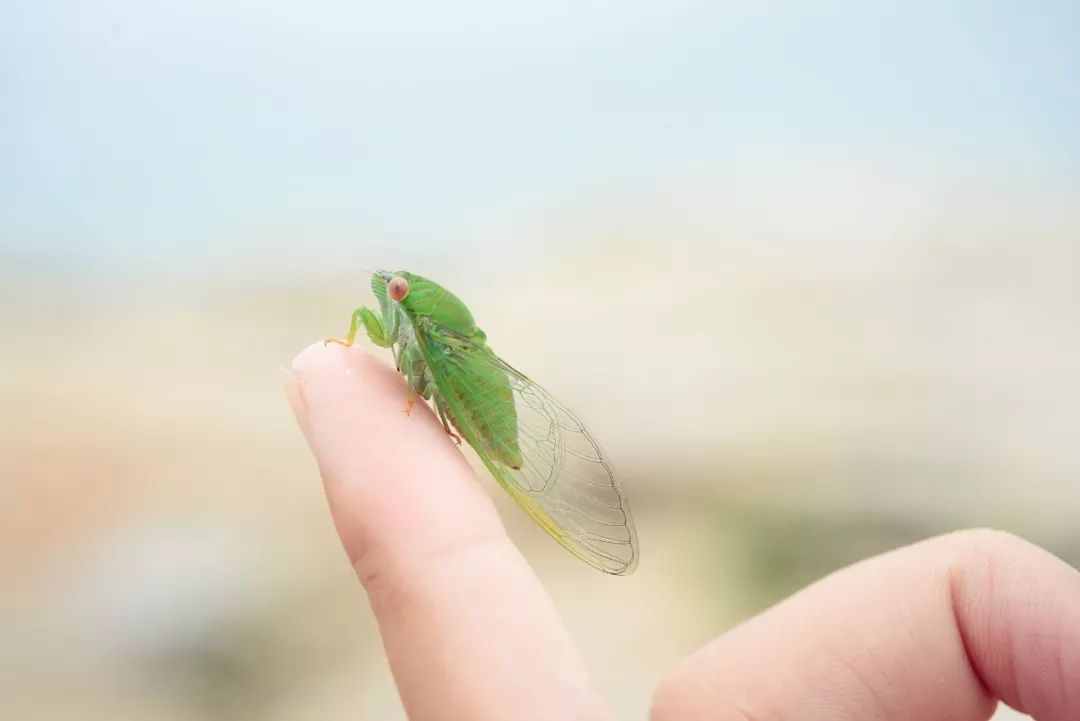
809 270
778 409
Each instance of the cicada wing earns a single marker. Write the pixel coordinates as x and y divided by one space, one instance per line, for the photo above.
566 483
552 467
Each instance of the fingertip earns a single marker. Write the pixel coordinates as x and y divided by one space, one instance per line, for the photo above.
323 356
320 366
395 482
1017 607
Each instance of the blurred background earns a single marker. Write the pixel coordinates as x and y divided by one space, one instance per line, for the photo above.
809 269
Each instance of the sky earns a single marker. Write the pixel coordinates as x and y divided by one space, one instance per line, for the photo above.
140 135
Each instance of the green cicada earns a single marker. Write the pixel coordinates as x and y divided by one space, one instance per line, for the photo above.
537 450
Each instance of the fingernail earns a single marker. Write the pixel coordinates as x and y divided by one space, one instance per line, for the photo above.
294 391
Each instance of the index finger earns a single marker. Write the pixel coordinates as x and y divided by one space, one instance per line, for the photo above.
467 627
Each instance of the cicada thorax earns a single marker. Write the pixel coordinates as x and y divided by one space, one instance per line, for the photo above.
472 382
479 398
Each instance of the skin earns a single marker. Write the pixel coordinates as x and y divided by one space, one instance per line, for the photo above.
939 630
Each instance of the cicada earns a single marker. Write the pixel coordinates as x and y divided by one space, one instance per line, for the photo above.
535 447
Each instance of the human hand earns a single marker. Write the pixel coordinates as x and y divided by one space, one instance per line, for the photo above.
938 630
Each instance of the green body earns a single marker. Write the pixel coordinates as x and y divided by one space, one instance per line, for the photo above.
533 446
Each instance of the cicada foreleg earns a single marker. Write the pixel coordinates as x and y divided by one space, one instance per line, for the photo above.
372 325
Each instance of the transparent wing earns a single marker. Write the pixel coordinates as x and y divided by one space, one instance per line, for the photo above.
563 481
566 481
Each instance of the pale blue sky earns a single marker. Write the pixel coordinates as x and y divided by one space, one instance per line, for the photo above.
139 134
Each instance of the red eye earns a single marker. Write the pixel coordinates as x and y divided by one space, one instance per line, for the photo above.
397 288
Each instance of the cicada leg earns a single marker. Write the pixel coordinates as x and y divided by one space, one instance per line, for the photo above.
372 326
440 408
411 363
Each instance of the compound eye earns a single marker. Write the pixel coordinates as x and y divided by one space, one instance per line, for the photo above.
397 288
